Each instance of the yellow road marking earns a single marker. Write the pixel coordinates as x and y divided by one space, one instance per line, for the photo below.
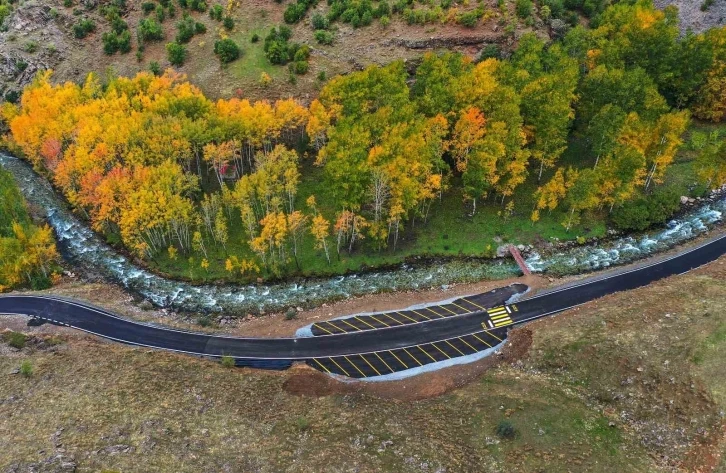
384 362
442 351
395 320
427 353
496 317
321 365
341 368
336 327
502 323
414 358
419 313
467 344
380 321
447 310
399 360
371 326
472 303
485 343
434 312
409 318
355 366
369 364
323 328
466 311
489 333
497 311
346 322
514 307
452 346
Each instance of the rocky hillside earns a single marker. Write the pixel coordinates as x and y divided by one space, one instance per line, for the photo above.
698 15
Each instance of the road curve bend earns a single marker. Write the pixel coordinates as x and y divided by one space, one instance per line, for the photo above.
360 352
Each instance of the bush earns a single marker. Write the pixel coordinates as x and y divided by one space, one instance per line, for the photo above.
322 76
302 424
524 8
216 12
505 429
468 19
319 22
160 14
255 38
148 7
323 37
185 29
645 211
67 3
15 339
228 23
83 28
227 50
200 28
150 30
227 361
197 5
203 320
31 46
26 368
490 51
291 314
176 53
294 13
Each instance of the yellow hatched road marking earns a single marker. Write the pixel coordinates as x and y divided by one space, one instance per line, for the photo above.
447 310
472 303
399 360
497 311
452 346
395 320
434 312
485 343
355 366
371 326
414 358
321 365
442 351
341 368
384 362
335 326
323 328
502 323
489 333
409 318
419 313
427 353
466 311
467 344
345 321
380 321
496 317
369 364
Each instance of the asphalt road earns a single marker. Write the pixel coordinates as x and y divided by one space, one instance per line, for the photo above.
281 352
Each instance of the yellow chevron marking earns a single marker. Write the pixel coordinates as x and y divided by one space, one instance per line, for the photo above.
467 344
323 328
346 322
341 368
409 318
490 333
419 313
452 346
427 353
369 364
321 365
442 351
361 320
414 358
380 321
447 310
395 320
335 326
472 303
485 343
466 311
399 360
384 362
355 366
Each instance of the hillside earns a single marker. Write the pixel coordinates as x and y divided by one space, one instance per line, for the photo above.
631 382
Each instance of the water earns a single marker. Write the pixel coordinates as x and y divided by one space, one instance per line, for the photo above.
87 251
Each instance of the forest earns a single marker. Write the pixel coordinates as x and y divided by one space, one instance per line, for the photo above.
559 139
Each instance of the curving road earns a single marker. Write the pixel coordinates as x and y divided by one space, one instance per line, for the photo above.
330 352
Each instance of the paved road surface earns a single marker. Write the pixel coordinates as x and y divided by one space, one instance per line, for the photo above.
362 353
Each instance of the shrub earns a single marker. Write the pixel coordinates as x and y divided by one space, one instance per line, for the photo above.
123 41
322 76
148 7
291 314
505 429
150 30
468 19
319 22
228 23
160 14
385 21
302 424
227 361
185 29
216 12
706 5
200 28
643 212
294 13
227 50
524 8
176 53
26 368
67 3
490 51
197 5
255 38
31 46
15 339
323 37
83 28
299 67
